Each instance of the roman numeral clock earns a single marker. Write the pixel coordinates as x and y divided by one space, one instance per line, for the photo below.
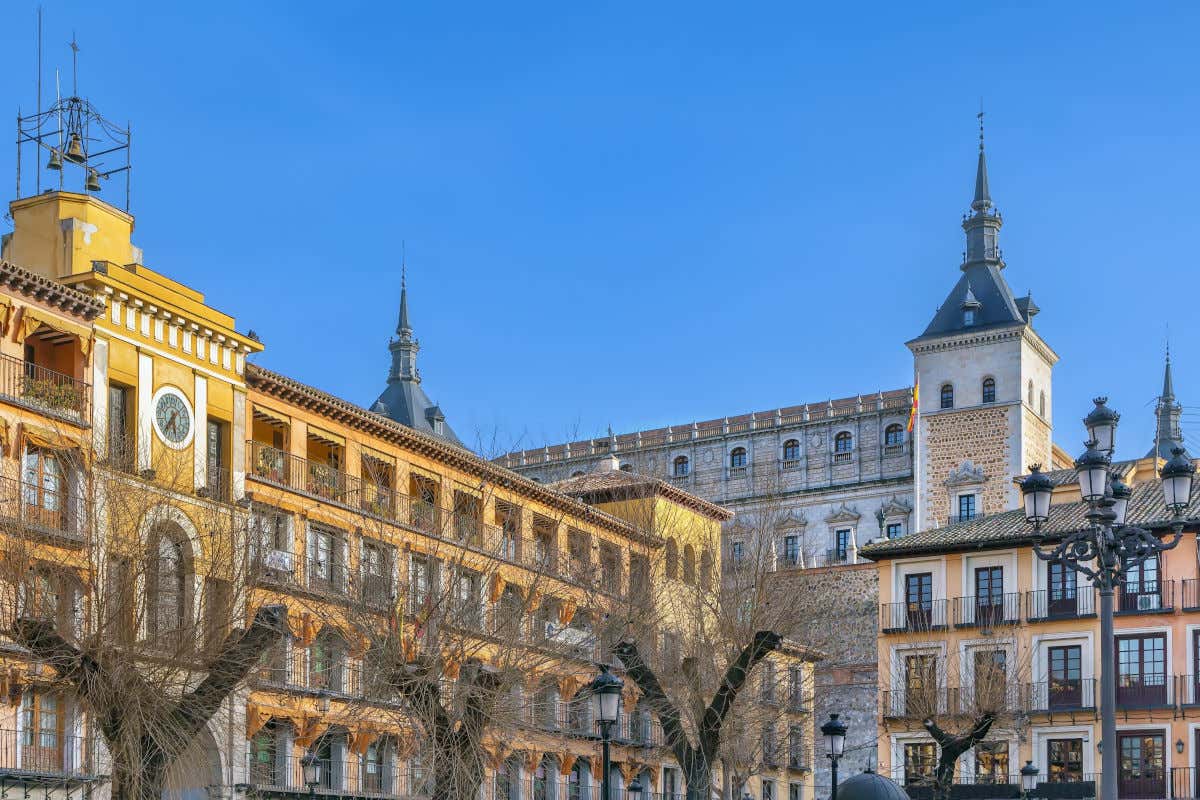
172 417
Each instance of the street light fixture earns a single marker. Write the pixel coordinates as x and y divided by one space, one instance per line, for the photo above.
310 765
1029 776
634 789
606 705
1106 547
834 732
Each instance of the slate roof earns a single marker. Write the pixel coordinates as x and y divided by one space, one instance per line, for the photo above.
1009 529
998 307
406 402
617 484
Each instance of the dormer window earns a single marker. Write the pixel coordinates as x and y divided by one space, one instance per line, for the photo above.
968 317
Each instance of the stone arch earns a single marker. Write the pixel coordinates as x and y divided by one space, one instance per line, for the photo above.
198 767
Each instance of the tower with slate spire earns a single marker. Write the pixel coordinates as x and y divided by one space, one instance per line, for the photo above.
984 373
1168 430
403 399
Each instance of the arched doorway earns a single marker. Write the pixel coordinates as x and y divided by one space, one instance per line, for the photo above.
197 768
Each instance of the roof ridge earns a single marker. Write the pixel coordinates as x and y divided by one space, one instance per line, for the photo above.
22 279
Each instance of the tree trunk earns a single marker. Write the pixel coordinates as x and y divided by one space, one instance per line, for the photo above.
950 747
698 778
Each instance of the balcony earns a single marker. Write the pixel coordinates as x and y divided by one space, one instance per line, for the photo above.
1004 787
41 512
843 458
47 757
44 390
918 703
325 578
1191 594
344 679
921 617
302 475
218 484
1066 603
350 777
1145 691
1147 597
987 611
1061 694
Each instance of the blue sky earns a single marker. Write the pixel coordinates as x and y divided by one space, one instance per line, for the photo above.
647 213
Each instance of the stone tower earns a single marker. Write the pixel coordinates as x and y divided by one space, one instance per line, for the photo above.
984 412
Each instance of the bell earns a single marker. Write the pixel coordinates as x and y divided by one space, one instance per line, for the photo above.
55 161
75 150
93 181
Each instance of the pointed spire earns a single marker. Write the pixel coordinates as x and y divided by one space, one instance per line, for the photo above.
403 329
1168 390
983 199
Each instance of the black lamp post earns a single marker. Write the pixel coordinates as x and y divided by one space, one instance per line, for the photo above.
1029 776
1107 547
310 765
834 732
634 789
606 704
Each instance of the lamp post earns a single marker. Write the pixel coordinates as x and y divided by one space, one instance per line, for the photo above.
634 789
834 732
1106 547
1029 776
310 765
606 703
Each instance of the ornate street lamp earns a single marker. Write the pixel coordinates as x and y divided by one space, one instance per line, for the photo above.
310 765
634 789
1029 776
1106 547
834 732
606 705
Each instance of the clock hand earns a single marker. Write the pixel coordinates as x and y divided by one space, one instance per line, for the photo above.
171 422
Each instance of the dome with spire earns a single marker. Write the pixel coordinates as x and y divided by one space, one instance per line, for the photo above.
403 400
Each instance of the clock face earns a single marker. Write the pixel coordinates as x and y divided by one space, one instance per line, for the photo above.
172 418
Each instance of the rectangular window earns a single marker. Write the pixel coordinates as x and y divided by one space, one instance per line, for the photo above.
991 762
991 679
325 560
42 721
920 685
467 518
1062 597
120 444
791 549
421 580
895 530
1065 689
610 568
795 791
797 758
768 789
1141 760
737 551
215 457
508 520
918 598
989 596
1064 760
545 543
1142 670
466 596
376 577
1142 589
919 760
43 489
966 507
842 546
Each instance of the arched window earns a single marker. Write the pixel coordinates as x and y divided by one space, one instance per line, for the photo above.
376 766
706 569
989 390
680 466
737 457
893 436
1029 394
791 450
947 395
1042 403
541 777
671 559
843 442
166 584
508 780
689 564
577 782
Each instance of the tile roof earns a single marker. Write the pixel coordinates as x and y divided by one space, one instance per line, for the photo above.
1146 508
1062 477
611 484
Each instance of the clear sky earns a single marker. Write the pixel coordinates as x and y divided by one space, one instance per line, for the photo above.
647 213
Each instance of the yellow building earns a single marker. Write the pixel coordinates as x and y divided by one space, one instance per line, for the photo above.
969 609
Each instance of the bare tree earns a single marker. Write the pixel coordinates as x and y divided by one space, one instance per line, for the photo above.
958 699
129 593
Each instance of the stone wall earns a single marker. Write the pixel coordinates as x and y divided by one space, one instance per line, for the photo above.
980 435
838 613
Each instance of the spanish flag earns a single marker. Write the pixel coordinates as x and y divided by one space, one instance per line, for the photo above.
912 413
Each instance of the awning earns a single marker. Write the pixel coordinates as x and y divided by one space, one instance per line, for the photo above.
32 319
